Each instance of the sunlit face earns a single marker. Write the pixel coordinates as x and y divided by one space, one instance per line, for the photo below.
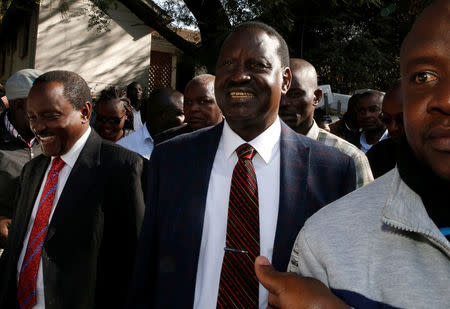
368 110
53 119
425 68
110 119
298 104
250 79
200 107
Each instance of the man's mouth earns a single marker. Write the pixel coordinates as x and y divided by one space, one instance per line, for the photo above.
287 115
240 96
440 139
46 139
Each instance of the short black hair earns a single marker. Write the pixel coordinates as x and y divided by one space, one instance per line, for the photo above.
76 90
157 98
371 93
283 49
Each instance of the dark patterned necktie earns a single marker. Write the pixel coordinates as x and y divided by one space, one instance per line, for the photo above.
26 291
238 287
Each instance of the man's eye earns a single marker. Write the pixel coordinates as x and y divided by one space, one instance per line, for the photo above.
52 116
206 101
257 65
424 77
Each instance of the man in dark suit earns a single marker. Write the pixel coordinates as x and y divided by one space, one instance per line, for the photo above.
78 211
186 240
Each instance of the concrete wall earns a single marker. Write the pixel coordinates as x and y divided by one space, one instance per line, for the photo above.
116 57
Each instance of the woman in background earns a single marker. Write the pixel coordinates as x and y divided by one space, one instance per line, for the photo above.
113 115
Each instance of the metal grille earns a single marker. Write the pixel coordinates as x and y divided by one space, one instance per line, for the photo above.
160 72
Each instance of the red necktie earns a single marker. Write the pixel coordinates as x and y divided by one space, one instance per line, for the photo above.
26 291
238 287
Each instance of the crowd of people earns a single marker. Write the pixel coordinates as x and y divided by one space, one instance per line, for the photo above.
206 198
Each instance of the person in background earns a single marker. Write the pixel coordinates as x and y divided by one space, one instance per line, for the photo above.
163 110
134 94
3 99
200 108
18 144
297 109
368 111
383 155
394 252
347 127
112 112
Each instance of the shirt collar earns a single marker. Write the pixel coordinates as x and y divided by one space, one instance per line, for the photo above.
264 143
72 155
145 134
313 131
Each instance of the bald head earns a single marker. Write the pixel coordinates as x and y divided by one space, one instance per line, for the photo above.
164 110
425 70
200 106
304 69
298 104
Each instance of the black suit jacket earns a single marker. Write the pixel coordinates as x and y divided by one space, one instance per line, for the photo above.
89 249
311 176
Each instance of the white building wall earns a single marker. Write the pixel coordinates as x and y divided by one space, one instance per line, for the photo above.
116 57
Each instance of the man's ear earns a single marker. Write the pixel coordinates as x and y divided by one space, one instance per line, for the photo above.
85 111
287 78
317 96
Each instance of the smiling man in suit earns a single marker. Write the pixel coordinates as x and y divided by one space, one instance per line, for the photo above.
78 211
244 187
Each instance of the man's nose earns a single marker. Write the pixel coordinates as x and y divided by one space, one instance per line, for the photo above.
37 126
240 74
441 100
195 107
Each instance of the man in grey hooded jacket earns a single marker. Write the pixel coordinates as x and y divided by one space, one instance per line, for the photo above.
386 245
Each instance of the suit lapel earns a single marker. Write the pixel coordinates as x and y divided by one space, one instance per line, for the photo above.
81 178
193 212
294 166
30 188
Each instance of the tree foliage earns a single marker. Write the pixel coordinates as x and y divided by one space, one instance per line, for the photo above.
353 44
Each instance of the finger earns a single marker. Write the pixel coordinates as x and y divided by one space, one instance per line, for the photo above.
267 275
274 301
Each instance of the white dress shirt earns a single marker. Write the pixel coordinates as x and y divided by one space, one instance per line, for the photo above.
267 168
139 141
69 159
364 146
137 121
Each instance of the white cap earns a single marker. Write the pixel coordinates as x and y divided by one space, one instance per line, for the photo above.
20 83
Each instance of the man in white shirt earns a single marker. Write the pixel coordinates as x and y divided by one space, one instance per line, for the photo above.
163 110
76 204
194 178
368 111
134 93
